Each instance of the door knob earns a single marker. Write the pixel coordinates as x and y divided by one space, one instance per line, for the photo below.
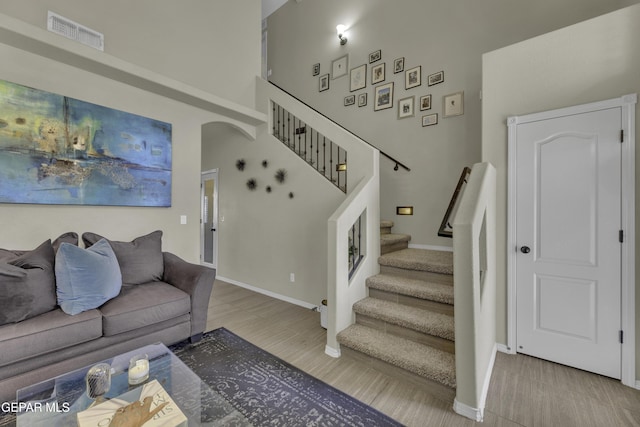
525 249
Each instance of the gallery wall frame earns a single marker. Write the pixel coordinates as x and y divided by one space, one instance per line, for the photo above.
375 56
323 83
435 78
430 120
339 67
349 100
383 96
358 78
453 104
398 65
362 99
58 150
378 73
406 107
413 77
425 102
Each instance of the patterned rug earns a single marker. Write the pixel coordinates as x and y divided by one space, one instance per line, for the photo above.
265 389
269 391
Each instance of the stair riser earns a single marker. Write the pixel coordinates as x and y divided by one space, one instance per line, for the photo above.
434 306
399 331
385 249
385 230
433 388
427 276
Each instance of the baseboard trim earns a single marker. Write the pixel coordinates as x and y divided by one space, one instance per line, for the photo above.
333 352
268 293
467 411
502 348
431 247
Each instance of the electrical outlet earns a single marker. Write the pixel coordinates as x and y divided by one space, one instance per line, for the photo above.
292 277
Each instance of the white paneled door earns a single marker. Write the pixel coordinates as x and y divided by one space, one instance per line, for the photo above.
568 262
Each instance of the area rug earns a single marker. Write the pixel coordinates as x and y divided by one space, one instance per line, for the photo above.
269 391
262 387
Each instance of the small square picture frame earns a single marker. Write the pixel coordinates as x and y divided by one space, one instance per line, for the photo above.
425 102
377 73
323 83
339 67
398 65
375 56
435 78
453 104
413 77
362 99
430 120
406 107
316 69
358 78
383 97
349 100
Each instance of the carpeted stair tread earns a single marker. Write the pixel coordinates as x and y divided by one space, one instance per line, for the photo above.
386 223
392 238
417 319
412 287
419 259
428 362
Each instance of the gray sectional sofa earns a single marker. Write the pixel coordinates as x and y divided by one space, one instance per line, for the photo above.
162 298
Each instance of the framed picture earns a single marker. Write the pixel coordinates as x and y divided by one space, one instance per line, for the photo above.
383 97
375 56
323 83
413 77
362 99
430 120
405 107
398 65
339 67
358 78
349 100
316 69
377 73
425 102
453 104
435 78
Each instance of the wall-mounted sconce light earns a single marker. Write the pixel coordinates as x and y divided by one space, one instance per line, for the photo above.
341 167
404 210
342 30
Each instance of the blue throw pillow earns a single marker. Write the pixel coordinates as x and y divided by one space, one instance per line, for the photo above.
86 278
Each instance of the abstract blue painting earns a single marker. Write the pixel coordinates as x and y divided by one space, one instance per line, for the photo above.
60 150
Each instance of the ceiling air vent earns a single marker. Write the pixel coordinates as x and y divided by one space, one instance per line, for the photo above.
74 31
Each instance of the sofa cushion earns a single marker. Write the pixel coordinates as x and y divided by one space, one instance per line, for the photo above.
69 237
86 278
27 284
140 260
142 305
48 332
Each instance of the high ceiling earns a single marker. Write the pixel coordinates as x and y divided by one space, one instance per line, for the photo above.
270 6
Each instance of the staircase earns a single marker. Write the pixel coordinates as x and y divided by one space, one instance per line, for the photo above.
407 320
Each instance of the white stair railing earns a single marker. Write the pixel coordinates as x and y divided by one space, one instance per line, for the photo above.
474 277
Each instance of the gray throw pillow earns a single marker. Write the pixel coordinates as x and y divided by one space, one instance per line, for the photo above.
27 284
69 237
140 260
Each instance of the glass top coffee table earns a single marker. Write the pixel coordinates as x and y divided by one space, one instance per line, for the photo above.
56 402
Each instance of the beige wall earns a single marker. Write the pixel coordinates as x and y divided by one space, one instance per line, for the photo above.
449 36
267 236
591 61
211 45
24 226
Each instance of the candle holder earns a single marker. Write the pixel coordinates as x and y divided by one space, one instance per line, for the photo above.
138 369
98 381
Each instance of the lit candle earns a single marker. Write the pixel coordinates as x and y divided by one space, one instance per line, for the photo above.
138 370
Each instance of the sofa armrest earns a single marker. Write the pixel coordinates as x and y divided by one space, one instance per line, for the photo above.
197 281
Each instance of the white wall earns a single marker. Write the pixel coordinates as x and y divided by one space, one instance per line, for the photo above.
591 61
449 36
24 226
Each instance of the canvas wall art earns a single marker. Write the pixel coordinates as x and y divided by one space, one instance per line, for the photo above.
60 150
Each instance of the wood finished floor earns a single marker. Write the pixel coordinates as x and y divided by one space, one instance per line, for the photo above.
524 391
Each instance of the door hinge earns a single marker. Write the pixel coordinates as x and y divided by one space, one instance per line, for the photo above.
621 135
621 236
621 336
